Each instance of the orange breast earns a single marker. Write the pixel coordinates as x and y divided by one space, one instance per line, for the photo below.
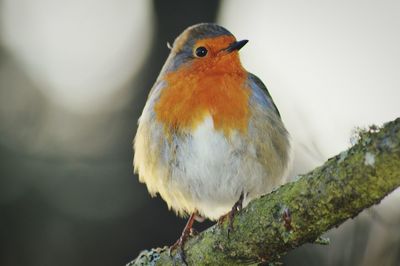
194 92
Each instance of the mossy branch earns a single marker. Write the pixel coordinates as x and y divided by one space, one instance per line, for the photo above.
300 211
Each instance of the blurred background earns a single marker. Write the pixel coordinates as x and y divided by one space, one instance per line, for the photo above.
74 76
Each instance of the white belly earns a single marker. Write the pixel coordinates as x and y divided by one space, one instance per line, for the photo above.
211 171
205 171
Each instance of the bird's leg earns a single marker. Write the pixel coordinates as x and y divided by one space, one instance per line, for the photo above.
185 234
222 219
235 209
199 219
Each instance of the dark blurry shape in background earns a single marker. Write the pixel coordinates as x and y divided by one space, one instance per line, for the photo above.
74 77
69 106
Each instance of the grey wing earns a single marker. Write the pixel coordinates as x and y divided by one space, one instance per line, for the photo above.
268 135
261 93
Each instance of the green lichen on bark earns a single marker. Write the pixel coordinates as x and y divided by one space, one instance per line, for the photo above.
300 211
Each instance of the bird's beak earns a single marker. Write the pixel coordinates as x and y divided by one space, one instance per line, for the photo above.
236 46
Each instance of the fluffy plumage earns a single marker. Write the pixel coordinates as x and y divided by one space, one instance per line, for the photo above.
210 130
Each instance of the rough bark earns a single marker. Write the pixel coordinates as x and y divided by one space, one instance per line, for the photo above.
300 211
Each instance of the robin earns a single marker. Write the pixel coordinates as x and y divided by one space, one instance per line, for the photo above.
210 138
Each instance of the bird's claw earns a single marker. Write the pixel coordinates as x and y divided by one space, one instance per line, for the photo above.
181 252
237 207
180 243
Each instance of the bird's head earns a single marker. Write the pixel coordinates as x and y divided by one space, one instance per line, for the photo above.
203 48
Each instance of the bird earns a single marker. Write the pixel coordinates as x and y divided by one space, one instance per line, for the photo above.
210 138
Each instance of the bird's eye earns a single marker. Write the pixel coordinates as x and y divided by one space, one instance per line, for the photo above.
200 51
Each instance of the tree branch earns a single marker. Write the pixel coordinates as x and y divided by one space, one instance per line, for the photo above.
300 211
